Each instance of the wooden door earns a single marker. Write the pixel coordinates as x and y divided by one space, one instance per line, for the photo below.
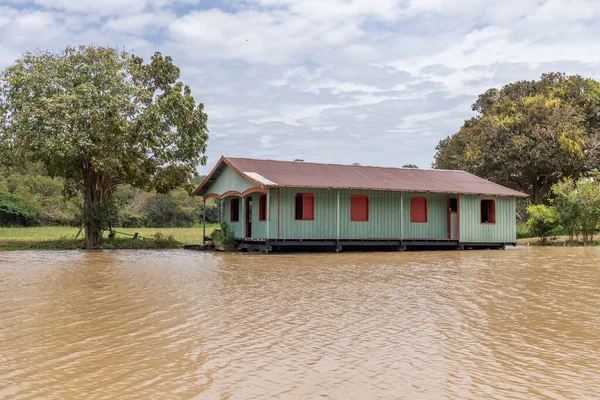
248 217
453 219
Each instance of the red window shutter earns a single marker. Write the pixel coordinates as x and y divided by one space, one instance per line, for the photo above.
492 211
262 207
359 208
308 207
488 211
418 209
234 210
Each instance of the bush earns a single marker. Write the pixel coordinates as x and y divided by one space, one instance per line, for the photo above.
588 191
213 212
578 206
223 236
14 213
128 219
164 211
523 231
543 221
157 241
566 202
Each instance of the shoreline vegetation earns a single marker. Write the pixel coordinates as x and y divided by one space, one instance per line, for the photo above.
63 238
562 241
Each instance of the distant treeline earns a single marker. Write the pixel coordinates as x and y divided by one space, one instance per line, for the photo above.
28 198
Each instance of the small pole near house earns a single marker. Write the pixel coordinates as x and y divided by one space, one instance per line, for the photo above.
402 247
203 219
402 215
268 219
337 242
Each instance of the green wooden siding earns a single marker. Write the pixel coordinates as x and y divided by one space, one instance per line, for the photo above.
472 230
389 217
437 217
236 226
259 228
229 180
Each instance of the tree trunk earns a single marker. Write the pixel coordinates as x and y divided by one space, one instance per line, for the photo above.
540 189
535 200
95 207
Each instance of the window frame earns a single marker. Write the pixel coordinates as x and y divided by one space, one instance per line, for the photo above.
295 206
262 207
426 209
231 208
352 216
493 201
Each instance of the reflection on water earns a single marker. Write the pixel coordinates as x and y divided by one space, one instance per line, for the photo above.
521 323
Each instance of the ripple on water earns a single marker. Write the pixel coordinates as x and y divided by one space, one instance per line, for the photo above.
475 324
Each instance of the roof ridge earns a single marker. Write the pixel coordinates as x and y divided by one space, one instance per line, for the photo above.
347 165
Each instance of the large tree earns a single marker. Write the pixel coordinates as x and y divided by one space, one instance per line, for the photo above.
529 134
98 117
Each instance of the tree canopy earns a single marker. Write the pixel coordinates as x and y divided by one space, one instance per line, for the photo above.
528 135
98 117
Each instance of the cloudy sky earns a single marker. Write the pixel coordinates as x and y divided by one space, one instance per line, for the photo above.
377 82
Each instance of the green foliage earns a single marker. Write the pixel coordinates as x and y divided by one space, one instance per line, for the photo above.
543 221
588 193
128 219
132 206
529 134
523 231
575 210
51 233
41 195
410 166
14 213
157 241
223 236
213 212
164 211
98 117
566 201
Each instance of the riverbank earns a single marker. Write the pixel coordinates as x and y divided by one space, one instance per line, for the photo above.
63 238
556 241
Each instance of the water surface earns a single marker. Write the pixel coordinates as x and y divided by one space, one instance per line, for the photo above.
521 323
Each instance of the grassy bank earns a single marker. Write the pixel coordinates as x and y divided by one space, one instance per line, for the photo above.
554 241
63 238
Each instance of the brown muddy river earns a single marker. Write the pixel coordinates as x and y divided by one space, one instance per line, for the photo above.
522 324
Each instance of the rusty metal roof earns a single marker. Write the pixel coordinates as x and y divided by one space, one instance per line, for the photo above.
271 173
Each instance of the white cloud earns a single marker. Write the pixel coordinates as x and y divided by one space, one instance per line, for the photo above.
103 7
137 24
338 9
254 36
369 81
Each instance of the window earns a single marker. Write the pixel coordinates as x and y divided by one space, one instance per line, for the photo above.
488 212
262 207
234 214
359 208
304 207
418 209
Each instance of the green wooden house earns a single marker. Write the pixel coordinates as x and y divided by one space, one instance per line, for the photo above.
272 205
